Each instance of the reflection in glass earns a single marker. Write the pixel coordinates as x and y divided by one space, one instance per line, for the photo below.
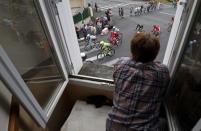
186 93
25 42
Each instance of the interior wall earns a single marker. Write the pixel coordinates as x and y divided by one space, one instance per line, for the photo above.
72 93
77 92
5 97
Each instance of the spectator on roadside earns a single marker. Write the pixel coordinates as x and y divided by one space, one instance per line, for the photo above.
98 25
140 88
77 32
122 12
141 9
158 6
131 11
84 31
93 30
107 13
119 11
96 7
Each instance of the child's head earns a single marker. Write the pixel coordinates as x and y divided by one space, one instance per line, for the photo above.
144 47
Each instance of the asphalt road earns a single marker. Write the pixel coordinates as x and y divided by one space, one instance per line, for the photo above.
127 27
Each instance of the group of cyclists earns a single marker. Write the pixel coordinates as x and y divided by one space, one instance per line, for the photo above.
103 27
145 8
156 29
106 47
114 38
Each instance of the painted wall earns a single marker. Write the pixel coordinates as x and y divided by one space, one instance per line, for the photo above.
77 3
5 104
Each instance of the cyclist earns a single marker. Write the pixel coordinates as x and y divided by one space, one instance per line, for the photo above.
114 36
139 27
104 45
114 33
156 29
90 39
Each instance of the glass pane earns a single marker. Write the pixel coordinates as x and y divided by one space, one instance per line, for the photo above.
185 96
24 40
93 23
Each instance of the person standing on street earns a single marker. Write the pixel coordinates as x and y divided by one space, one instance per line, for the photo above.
77 32
131 11
108 14
119 11
158 6
84 31
96 7
140 88
122 12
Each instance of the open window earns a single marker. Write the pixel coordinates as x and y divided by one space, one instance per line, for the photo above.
40 51
31 60
73 17
183 102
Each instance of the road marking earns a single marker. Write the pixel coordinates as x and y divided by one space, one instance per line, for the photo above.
166 5
119 5
112 62
92 58
167 13
90 51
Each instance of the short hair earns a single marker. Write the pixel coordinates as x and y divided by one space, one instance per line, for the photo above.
144 47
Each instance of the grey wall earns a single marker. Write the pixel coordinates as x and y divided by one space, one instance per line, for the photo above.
22 35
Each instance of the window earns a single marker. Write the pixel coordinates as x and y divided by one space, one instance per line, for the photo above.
185 94
31 62
89 21
39 48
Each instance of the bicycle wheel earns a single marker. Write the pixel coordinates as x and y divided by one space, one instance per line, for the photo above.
87 47
100 55
111 52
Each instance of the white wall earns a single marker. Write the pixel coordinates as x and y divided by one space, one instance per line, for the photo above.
5 103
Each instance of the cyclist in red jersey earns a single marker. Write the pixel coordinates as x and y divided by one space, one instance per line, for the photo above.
157 28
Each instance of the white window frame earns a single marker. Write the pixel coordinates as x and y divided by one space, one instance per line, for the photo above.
176 46
14 82
62 19
174 61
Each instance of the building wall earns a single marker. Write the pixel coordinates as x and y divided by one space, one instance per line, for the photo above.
77 3
5 98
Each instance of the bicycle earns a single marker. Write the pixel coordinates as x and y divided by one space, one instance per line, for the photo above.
108 51
139 28
156 30
155 33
